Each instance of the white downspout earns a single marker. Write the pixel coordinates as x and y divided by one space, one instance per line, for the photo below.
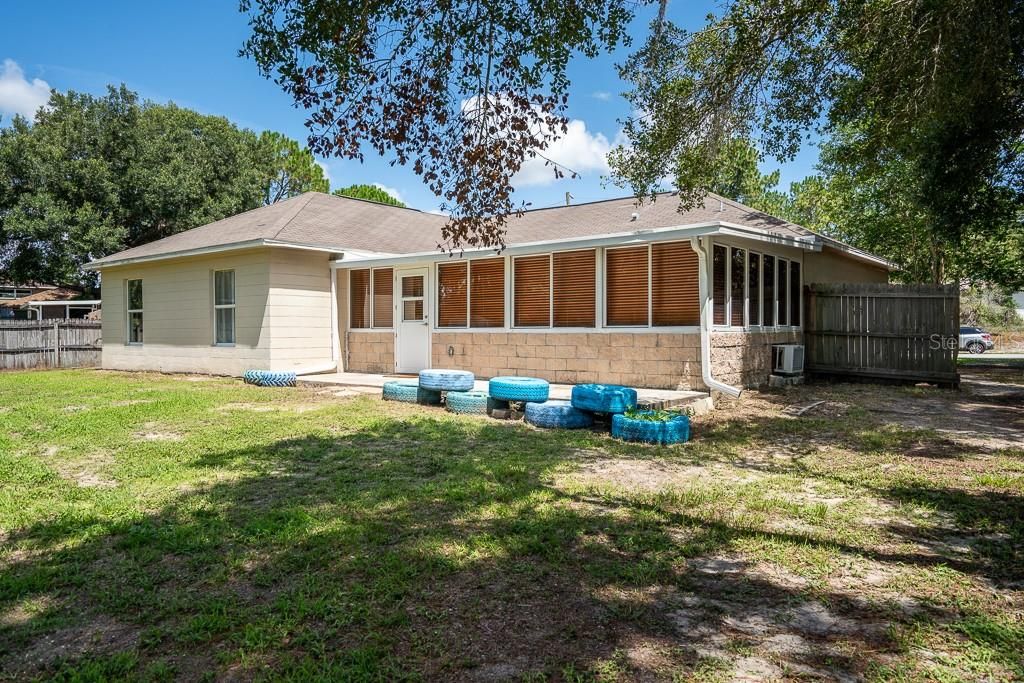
705 323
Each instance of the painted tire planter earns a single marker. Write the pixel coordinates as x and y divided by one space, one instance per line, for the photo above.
266 378
409 391
675 430
528 389
447 380
466 402
559 414
603 398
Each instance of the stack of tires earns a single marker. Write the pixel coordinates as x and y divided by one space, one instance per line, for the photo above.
410 391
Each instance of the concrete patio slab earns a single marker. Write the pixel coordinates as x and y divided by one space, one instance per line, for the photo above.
699 401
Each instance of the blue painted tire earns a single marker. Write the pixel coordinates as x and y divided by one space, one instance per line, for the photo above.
528 389
558 414
603 398
266 378
466 402
447 380
410 391
675 430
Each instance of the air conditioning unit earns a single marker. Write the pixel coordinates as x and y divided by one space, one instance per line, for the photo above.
788 359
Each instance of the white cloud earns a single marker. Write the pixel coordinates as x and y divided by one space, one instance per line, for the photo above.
327 171
391 191
578 150
601 95
17 94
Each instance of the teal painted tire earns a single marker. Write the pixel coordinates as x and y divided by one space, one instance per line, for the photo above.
266 378
603 398
466 402
557 414
447 380
529 389
671 431
409 391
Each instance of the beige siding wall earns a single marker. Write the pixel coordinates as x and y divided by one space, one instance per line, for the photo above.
178 315
299 309
370 351
830 266
744 359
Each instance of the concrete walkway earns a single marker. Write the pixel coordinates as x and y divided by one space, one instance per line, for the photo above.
371 384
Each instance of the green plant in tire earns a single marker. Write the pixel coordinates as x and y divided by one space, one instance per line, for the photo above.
657 415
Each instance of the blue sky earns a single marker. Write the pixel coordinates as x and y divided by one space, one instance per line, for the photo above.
187 51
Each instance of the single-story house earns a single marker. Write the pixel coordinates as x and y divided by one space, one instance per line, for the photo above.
608 291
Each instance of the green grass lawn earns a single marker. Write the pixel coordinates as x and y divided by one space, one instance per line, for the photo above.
172 528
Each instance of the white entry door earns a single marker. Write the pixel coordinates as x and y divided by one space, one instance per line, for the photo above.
412 343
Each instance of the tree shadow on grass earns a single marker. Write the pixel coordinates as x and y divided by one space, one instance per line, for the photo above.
408 549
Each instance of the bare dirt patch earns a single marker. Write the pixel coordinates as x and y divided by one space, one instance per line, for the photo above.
101 634
85 471
648 475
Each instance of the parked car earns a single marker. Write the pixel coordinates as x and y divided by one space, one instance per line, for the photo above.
975 340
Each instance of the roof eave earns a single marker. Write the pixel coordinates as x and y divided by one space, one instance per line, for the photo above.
202 251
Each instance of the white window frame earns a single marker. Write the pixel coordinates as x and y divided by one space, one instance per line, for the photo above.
233 306
373 303
129 310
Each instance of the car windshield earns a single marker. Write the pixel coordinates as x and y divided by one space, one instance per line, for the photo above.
968 330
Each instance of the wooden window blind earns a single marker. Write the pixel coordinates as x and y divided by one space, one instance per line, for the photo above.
754 282
719 256
531 289
737 288
383 304
794 293
674 282
487 293
575 289
768 291
359 298
452 310
783 281
626 286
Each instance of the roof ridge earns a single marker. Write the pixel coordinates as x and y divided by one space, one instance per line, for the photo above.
283 221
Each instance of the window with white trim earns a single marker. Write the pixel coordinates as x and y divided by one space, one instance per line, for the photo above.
133 301
224 307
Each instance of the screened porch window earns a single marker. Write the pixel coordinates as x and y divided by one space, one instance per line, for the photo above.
471 292
652 286
371 298
555 290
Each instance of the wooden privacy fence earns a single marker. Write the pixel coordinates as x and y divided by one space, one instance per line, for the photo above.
879 331
49 344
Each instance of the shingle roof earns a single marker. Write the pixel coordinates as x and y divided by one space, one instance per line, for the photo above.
341 223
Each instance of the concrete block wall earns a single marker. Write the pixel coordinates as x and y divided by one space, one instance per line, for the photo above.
371 352
662 361
744 359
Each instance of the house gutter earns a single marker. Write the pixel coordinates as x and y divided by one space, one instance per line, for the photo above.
705 324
